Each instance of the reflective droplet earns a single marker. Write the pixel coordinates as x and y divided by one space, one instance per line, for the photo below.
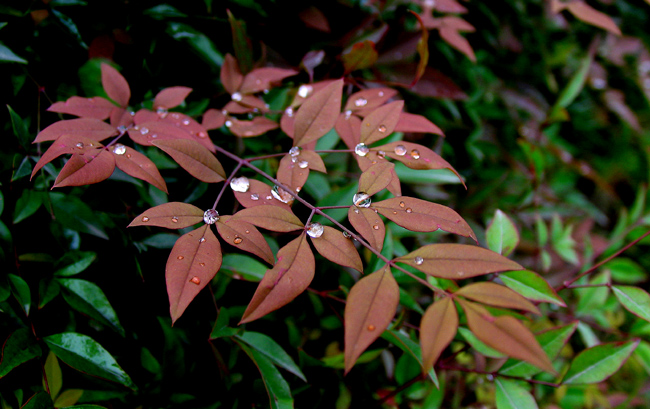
361 149
174 219
132 113
145 219
415 154
289 112
461 273
238 240
154 135
121 128
371 327
348 114
210 216
255 196
236 96
315 230
418 260
180 257
196 280
376 227
228 124
346 235
201 134
400 150
295 151
381 128
80 145
202 264
360 102
186 122
394 212
381 93
305 90
381 154
429 3
119 149
356 210
247 231
281 194
240 184
408 210
303 164
144 130
269 197
401 204
162 112
298 189
361 199
202 239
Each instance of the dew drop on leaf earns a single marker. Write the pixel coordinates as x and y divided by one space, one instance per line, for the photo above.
305 90
145 219
236 96
119 149
408 210
238 240
196 280
201 134
361 149
295 151
240 184
381 154
461 273
144 130
429 3
228 124
180 257
371 327
162 112
269 197
402 204
281 194
348 114
415 154
400 150
202 264
255 196
418 260
361 199
376 227
80 145
247 231
303 164
360 102
174 219
202 239
210 216
289 112
315 230
381 128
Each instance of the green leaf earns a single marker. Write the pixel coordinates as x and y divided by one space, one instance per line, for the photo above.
573 88
74 214
47 290
596 364
9 56
642 355
19 127
18 348
511 395
70 26
53 375
24 169
20 290
276 386
40 400
221 328
198 41
80 261
27 205
626 271
272 350
241 43
244 266
531 286
86 355
502 235
478 345
562 241
634 299
406 344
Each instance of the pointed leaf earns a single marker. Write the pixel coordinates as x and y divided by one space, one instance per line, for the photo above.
270 218
71 396
18 348
86 355
115 85
293 172
86 168
146 133
231 77
634 299
213 119
588 14
406 344
171 97
289 277
531 286
381 122
437 330
138 165
502 235
272 350
194 158
192 263
53 374
97 107
348 127
337 248
511 395
598 363
40 400
89 299
376 177
369 99
318 114
262 79
247 129
173 215
362 55
420 215
370 308
413 123
496 295
423 50
276 386
244 236
258 193
66 144
89 128
479 345
368 225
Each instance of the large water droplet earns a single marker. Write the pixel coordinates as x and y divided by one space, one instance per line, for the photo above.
382 128
360 102
361 149
315 230
210 216
162 112
228 124
145 219
281 194
361 199
305 90
415 154
144 130
303 164
295 151
400 150
80 145
174 219
119 149
240 184
418 260
196 280
255 196
289 112
236 96
238 240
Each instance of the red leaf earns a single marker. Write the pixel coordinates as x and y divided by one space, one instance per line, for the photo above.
138 165
416 124
115 86
258 193
437 329
420 215
194 158
171 97
213 119
454 39
292 173
149 132
270 218
362 55
496 295
172 215
66 144
457 261
87 127
314 18
190 126
120 117
193 262
318 114
246 129
287 122
231 77
449 6
337 248
349 129
369 98
376 177
588 14
370 307
381 122
368 225
285 281
91 166
261 79
244 236
97 107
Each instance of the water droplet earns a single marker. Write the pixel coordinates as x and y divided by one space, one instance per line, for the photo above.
356 210
196 280
240 184
228 124
381 93
119 149
162 112
394 212
360 102
408 210
281 194
315 230
80 145
381 128
238 240
247 231
305 90
255 196
295 151
303 164
121 128
266 91
132 113
415 154
298 189
145 219
176 115
381 154
174 219
236 96
154 135
461 273
376 227
201 134
202 264
346 235
429 3
400 150
210 216
418 260
144 130
186 122
348 114
180 257
224 112
269 197
361 199
128 155
371 327
361 149
289 112
202 239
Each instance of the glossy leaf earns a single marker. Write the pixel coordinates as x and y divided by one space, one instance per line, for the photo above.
258 193
89 299
97 107
502 235
370 308
231 77
194 158
192 263
276 386
437 330
20 289
511 395
362 55
272 350
634 299
172 215
86 355
88 128
381 122
369 99
368 225
376 177
531 286
270 218
337 248
291 172
18 348
413 123
598 363
115 85
244 236
318 114
171 97
289 277
497 296
92 166
138 165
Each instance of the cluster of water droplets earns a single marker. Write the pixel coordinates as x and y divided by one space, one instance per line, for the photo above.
361 199
360 102
236 97
315 230
240 184
210 216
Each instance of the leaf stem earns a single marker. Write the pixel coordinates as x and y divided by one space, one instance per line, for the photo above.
225 185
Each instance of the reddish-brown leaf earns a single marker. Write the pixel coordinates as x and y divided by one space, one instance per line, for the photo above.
115 86
193 262
250 103
172 215
171 97
120 117
437 329
246 129
258 193
194 158
376 177
454 39
66 144
421 215
496 295
188 125
148 132
287 122
381 122
146 115
270 218
233 107
262 79
506 334
589 15
422 49
362 55
97 107
313 159
337 248
213 119
138 165
369 98
457 261
318 114
91 166
231 77
370 307
349 129
370 226
449 6
244 236
416 124
285 281
314 18
292 173
87 127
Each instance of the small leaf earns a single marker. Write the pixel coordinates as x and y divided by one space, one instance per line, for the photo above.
588 14
502 235
270 218
511 395
115 85
262 79
171 97
19 127
598 363
256 127
368 225
241 43
291 172
370 308
376 177
213 119
244 236
90 167
86 355
318 114
18 348
97 107
231 77
497 296
634 299
89 128
192 263
531 286
194 158
53 375
138 165
362 55
337 248
20 289
437 330
381 122
276 386
423 50
413 123
89 299
272 350
173 215
289 277
67 144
